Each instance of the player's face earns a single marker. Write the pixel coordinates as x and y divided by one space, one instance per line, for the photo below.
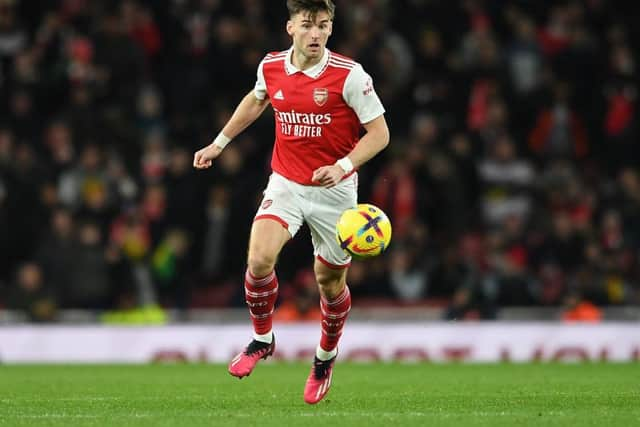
310 35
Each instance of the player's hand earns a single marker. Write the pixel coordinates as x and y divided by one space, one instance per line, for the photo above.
328 176
203 158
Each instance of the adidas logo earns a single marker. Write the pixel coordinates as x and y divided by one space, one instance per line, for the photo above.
278 95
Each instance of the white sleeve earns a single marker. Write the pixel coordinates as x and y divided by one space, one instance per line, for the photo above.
260 89
359 94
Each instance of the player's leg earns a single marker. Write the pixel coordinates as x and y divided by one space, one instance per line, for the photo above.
276 221
330 267
335 303
268 236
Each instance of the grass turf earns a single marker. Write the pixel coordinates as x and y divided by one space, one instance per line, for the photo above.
362 395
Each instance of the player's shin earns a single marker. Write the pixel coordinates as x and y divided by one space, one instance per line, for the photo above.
334 315
261 294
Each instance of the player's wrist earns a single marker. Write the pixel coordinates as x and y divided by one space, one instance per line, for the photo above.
346 164
221 140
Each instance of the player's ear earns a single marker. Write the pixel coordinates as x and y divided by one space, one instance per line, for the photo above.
290 27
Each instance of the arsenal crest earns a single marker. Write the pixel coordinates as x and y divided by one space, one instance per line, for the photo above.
320 96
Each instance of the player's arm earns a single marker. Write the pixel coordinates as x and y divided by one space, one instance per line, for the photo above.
247 112
375 140
361 97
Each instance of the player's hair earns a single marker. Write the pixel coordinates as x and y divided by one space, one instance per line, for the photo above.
312 7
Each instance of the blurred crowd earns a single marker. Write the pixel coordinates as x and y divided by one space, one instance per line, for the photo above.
512 177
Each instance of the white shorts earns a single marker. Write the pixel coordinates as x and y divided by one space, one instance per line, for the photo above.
291 204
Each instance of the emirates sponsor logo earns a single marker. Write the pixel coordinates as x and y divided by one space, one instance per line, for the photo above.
320 96
295 118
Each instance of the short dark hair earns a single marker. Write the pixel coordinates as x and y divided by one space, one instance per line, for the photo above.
311 6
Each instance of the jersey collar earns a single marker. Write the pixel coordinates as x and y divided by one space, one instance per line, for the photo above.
313 72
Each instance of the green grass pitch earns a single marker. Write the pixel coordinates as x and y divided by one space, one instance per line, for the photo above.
589 394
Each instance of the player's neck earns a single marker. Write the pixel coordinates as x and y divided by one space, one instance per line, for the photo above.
301 62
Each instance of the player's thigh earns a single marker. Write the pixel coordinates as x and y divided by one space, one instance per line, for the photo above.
268 236
277 220
328 206
326 248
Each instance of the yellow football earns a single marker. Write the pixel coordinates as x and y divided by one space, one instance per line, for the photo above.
364 231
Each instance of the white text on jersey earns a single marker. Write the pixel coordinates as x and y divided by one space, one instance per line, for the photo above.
304 125
294 118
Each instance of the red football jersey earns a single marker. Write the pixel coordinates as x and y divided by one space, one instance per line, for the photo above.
318 111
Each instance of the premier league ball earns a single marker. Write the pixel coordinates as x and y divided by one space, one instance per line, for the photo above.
364 231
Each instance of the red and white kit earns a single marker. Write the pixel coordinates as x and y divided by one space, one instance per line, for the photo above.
318 113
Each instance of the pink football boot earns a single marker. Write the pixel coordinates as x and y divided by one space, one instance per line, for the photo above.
319 380
242 365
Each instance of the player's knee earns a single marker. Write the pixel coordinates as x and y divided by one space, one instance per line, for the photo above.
261 263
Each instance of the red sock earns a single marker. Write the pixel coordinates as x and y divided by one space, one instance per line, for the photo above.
334 314
261 295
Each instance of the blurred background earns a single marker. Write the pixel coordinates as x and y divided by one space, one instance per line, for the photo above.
512 177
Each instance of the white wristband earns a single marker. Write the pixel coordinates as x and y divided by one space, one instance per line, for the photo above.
346 164
221 140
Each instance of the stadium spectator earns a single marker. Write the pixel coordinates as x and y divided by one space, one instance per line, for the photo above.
169 269
407 274
507 182
31 294
559 130
88 285
395 192
55 251
216 231
581 310
5 264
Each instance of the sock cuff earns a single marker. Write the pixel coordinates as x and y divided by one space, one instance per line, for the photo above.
259 281
340 299
323 354
251 294
266 338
